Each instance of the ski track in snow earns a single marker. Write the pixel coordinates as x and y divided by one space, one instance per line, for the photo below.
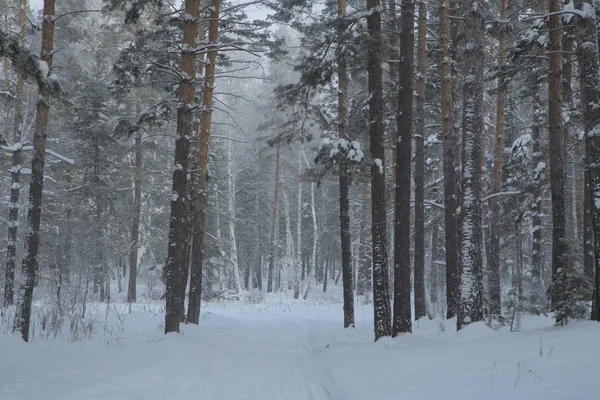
298 351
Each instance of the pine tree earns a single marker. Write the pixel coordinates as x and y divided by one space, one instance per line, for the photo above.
471 309
34 215
402 271
381 297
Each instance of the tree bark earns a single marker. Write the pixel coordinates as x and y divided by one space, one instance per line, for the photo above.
15 172
589 78
34 214
135 225
419 258
233 253
381 296
495 304
344 177
557 151
273 244
450 146
298 255
402 271
537 257
364 267
471 309
201 192
177 258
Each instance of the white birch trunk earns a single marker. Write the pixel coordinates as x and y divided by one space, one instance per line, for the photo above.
233 255
313 257
289 244
298 260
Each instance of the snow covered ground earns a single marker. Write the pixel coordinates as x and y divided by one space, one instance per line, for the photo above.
287 349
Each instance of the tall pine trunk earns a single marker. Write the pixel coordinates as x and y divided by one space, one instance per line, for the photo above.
201 192
15 172
34 214
537 256
419 258
177 258
135 225
471 309
494 265
344 176
557 154
402 271
589 78
271 278
381 296
450 148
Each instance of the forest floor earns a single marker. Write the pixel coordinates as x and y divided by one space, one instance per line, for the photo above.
289 349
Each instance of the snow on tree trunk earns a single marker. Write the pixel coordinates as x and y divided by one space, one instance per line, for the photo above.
177 258
200 193
298 247
313 257
34 215
471 308
557 153
419 257
402 272
450 148
381 296
537 256
233 254
290 257
495 304
589 77
15 184
344 176
364 267
135 225
271 284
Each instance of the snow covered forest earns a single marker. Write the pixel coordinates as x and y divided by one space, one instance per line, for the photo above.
311 199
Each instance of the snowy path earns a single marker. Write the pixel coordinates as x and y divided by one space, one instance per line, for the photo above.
298 352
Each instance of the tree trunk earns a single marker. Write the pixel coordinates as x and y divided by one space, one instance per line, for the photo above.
419 261
381 296
450 146
589 78
537 257
298 264
201 192
364 267
557 152
15 185
471 309
402 271
518 276
344 177
325 276
177 258
233 253
273 244
259 267
495 304
135 225
34 214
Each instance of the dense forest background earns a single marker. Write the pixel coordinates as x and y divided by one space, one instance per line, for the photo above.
438 159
